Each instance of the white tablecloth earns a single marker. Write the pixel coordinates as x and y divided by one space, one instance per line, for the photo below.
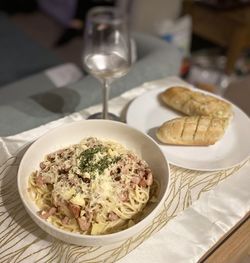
200 208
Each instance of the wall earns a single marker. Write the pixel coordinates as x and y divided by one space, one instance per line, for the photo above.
146 14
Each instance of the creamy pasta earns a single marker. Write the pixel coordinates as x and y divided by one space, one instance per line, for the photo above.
94 187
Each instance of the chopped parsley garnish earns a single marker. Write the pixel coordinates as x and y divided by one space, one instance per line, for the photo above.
87 163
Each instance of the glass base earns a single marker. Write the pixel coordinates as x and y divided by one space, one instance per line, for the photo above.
99 116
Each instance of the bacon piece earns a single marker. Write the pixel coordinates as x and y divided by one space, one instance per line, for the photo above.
39 180
51 157
123 196
65 220
46 214
125 169
84 224
136 180
113 216
60 152
64 168
42 165
43 179
147 180
140 172
143 182
74 209
57 201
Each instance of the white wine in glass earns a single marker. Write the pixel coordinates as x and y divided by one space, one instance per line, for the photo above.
107 51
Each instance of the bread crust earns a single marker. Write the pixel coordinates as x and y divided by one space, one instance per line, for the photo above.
194 103
193 131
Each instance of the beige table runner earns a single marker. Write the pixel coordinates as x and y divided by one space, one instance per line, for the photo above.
21 240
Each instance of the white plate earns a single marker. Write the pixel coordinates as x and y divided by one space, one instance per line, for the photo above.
146 113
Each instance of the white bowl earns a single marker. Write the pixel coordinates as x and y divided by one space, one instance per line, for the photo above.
72 133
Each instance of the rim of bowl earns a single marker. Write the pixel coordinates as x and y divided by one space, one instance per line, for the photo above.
79 235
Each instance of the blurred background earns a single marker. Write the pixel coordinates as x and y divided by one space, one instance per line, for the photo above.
213 37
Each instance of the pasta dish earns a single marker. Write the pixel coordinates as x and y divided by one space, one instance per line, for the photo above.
94 187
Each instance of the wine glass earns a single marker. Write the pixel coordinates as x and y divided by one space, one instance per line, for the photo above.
107 51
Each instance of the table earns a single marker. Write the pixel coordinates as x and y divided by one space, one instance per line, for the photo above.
195 242
233 247
227 28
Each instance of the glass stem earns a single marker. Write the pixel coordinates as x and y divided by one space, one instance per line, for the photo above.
106 89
